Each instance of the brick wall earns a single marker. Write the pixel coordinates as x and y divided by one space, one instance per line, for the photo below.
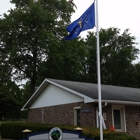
108 112
63 114
35 115
86 116
133 120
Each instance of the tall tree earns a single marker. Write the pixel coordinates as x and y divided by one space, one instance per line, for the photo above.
71 56
137 74
91 63
117 53
32 32
10 100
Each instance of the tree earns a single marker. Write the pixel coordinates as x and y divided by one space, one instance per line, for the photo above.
10 100
65 63
32 33
117 53
5 67
71 56
137 74
91 63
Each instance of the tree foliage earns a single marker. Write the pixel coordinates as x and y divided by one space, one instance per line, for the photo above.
32 32
117 54
32 48
137 74
10 100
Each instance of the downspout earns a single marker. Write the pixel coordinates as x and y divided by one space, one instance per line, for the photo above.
100 115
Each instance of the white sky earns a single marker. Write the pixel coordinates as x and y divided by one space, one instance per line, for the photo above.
122 14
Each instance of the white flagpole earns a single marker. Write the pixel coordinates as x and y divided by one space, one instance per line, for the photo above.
99 72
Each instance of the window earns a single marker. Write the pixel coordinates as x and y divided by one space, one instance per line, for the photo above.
118 117
77 116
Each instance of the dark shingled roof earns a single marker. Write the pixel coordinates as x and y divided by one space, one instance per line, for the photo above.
108 92
112 94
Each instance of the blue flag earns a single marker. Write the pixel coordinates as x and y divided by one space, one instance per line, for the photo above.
86 21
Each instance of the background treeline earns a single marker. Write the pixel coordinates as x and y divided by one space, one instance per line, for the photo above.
32 48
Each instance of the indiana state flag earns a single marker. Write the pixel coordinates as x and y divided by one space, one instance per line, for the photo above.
86 21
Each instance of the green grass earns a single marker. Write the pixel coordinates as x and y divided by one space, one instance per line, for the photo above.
11 122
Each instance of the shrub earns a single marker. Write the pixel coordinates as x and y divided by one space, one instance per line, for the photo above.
14 131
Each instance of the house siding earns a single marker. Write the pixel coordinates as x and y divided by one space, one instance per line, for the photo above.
108 111
133 120
64 114
35 115
54 95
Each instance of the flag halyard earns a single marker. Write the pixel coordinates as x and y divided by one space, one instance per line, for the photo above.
86 21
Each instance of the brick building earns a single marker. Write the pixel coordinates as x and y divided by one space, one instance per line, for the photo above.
76 103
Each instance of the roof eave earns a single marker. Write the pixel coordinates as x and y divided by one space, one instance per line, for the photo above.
119 102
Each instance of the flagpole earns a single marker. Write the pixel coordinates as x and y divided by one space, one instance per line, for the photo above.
99 72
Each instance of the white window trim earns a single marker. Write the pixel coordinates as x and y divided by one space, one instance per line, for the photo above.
123 120
75 115
77 107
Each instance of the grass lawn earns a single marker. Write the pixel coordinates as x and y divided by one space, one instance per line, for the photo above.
11 122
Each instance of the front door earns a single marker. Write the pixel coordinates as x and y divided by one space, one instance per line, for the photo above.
118 117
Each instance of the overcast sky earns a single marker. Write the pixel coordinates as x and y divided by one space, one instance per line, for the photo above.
122 14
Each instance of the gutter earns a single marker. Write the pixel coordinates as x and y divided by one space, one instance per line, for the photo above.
119 102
